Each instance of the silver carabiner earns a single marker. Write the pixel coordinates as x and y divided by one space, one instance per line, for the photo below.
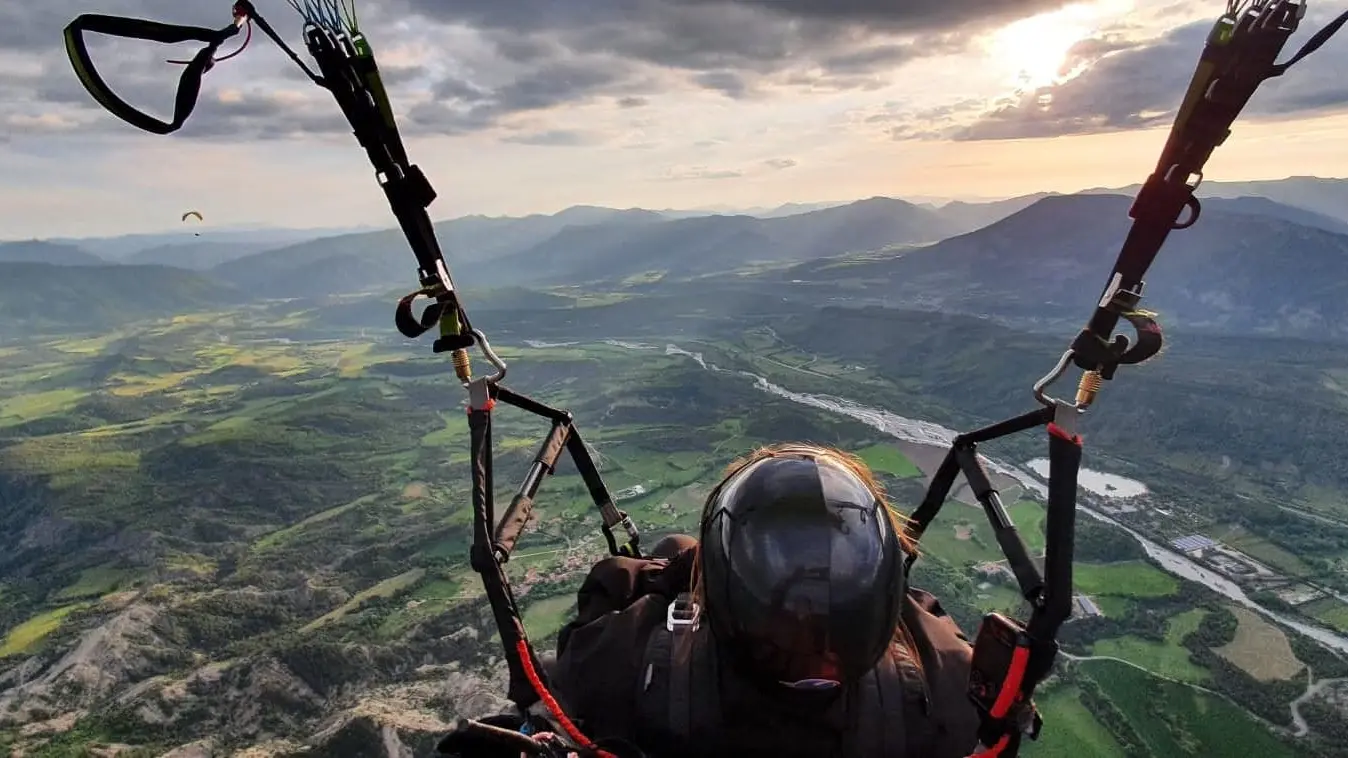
1051 377
1064 413
490 355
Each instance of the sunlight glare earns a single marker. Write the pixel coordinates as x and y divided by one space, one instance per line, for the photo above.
1033 50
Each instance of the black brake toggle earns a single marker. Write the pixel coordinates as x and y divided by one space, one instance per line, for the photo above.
411 325
450 342
1091 352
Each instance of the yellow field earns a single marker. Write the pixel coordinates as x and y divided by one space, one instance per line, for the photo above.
1260 648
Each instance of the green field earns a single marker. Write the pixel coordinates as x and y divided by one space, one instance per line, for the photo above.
1174 719
1168 658
26 636
890 460
1071 730
1330 610
542 618
1130 579
94 582
1261 550
390 587
303 496
962 535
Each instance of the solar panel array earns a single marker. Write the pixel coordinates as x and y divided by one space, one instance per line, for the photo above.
1193 542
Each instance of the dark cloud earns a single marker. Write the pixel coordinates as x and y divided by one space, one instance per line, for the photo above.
37 26
907 16
868 59
727 45
1132 85
777 164
532 56
459 106
924 15
728 83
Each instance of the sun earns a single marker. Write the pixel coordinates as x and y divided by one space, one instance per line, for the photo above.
1033 51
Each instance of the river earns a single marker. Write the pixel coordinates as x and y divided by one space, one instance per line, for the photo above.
927 433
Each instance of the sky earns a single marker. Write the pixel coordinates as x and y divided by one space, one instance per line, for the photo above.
526 106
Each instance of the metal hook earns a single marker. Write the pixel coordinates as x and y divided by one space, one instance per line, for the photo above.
1051 377
491 356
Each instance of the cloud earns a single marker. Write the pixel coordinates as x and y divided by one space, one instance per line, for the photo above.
484 65
698 173
735 47
728 83
1123 85
555 138
703 173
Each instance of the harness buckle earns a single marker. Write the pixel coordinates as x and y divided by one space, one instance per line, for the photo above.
479 394
683 614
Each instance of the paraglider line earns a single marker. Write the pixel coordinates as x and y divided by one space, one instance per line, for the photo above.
248 37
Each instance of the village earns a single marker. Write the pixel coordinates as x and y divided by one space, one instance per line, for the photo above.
1245 570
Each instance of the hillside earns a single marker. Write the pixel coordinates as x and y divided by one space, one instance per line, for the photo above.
1263 206
55 253
196 255
376 261
694 247
121 247
1232 272
970 216
588 245
1324 196
46 297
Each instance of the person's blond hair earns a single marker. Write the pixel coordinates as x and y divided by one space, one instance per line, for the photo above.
902 643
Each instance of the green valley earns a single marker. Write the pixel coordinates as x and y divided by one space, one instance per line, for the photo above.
249 505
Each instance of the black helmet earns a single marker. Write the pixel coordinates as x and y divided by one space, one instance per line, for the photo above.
802 571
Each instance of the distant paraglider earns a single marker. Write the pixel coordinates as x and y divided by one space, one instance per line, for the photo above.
199 218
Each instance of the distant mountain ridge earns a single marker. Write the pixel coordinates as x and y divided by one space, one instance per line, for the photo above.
1031 259
197 255
1324 196
1233 271
587 244
40 251
88 298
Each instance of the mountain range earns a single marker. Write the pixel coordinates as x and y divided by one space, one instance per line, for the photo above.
1321 195
1251 264
40 251
1234 271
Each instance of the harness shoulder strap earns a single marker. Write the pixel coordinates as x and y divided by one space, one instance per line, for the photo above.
679 698
891 713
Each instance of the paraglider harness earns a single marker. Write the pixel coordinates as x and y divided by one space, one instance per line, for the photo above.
1010 658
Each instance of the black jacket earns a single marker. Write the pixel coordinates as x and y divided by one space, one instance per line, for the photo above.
603 659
